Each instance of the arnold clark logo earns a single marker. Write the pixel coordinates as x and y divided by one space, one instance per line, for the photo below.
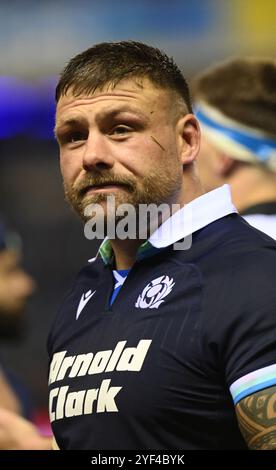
154 293
66 402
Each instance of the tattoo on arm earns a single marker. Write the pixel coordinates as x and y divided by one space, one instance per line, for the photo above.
257 419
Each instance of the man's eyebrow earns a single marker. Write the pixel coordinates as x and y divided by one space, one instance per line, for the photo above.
107 113
71 122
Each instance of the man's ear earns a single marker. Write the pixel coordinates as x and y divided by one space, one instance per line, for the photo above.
225 164
188 133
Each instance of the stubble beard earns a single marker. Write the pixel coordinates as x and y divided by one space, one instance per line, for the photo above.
159 187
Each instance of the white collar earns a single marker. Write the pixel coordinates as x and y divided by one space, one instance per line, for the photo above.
193 216
182 224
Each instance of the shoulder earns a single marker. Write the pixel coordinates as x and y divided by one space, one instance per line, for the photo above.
264 222
239 296
235 229
231 243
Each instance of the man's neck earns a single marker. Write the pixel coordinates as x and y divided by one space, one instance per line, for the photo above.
251 186
125 251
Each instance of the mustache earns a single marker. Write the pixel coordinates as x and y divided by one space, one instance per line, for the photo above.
104 179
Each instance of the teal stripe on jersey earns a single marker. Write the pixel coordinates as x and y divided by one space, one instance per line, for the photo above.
145 250
253 382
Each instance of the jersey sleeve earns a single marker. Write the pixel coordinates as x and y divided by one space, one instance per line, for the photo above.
241 336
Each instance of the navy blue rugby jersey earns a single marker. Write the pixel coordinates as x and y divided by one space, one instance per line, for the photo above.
154 370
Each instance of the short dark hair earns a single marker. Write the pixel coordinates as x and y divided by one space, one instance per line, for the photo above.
242 89
108 63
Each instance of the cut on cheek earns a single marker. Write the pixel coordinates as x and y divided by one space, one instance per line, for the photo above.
158 143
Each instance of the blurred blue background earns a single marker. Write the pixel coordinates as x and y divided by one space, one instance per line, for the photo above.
36 40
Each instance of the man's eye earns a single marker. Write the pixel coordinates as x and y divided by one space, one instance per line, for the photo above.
121 130
75 137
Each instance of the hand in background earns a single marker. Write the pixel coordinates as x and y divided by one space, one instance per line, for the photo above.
16 433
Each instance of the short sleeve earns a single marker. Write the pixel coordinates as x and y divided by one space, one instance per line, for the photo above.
241 323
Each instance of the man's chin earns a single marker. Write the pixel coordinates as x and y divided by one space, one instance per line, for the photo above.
101 204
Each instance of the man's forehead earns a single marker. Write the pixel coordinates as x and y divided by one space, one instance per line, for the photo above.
127 91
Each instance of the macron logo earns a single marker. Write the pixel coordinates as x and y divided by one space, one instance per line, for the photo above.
83 301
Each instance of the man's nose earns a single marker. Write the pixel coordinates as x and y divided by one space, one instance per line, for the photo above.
97 154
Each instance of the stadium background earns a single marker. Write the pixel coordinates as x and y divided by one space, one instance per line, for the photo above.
36 40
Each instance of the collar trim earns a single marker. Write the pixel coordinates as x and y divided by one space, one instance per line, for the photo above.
190 218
